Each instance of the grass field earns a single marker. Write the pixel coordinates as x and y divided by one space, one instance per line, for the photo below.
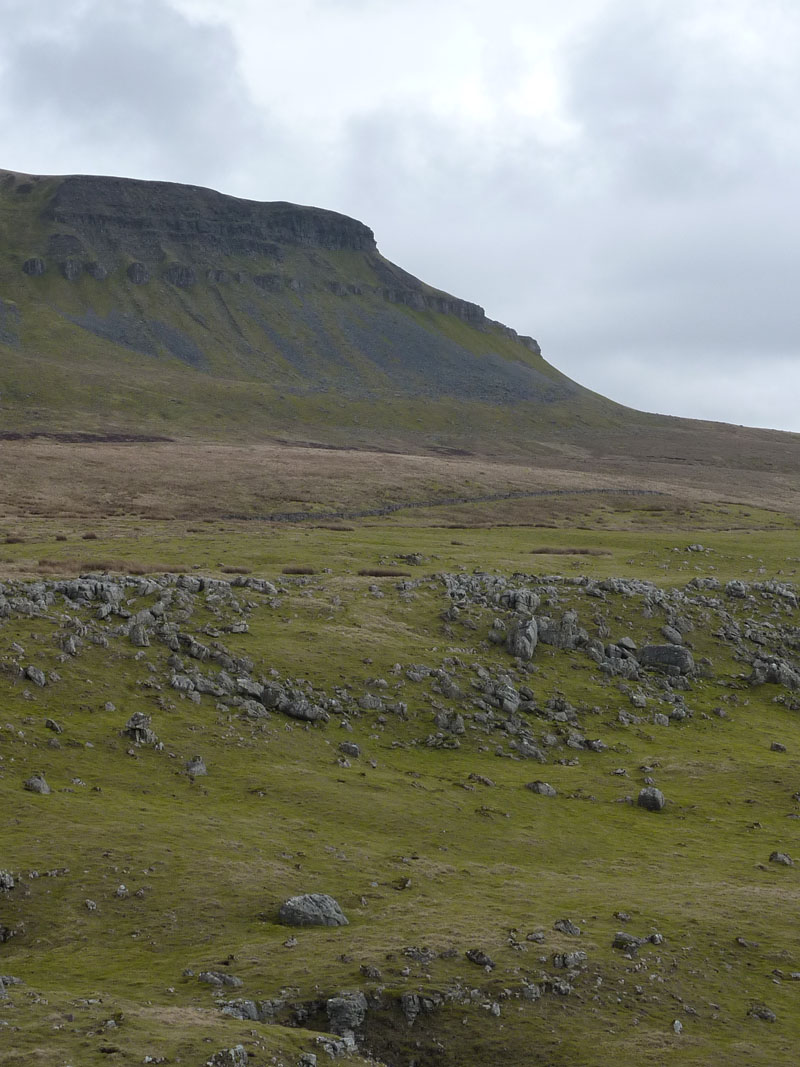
419 850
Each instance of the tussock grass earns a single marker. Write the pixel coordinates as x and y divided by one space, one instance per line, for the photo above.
298 570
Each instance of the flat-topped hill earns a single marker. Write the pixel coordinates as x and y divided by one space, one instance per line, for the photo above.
158 306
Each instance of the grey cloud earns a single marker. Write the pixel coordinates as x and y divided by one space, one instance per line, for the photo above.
650 246
131 82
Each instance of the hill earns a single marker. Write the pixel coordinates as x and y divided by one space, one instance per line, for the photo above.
148 306
313 580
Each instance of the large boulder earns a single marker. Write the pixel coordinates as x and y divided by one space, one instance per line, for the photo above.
651 799
346 1013
775 670
564 633
522 639
312 909
668 658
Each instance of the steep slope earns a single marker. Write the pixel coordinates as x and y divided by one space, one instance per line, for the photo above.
167 308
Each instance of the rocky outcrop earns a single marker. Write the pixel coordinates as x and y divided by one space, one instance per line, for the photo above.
139 216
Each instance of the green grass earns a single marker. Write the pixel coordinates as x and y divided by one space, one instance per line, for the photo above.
278 815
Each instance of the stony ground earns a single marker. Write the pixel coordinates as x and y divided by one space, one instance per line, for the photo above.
555 803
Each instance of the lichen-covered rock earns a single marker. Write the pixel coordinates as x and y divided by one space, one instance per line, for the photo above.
312 909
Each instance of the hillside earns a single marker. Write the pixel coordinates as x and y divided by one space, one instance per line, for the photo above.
315 581
174 309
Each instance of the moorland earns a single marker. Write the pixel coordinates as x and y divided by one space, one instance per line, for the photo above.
424 665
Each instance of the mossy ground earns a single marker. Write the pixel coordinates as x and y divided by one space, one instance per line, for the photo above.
278 814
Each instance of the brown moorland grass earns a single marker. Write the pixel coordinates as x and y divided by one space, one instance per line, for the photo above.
99 566
556 550
383 572
207 481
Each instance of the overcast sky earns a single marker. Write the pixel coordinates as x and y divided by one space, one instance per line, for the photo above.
619 178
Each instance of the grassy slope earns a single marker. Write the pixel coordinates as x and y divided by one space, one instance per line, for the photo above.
277 815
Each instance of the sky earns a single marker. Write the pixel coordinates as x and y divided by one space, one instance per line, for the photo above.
618 178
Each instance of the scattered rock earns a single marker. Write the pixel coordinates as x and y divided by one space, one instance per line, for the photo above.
736 588
567 926
542 788
36 675
760 1011
782 858
37 784
569 960
627 942
219 978
479 958
138 729
196 767
229 1057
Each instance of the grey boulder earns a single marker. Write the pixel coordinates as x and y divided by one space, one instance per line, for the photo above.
312 909
37 784
668 658
542 788
522 639
346 1013
651 799
229 1057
